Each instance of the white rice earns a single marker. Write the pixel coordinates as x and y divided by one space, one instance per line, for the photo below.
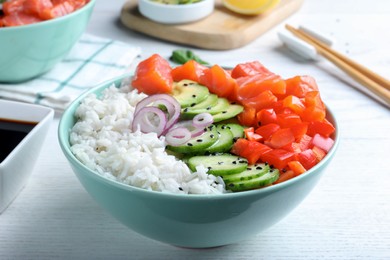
103 141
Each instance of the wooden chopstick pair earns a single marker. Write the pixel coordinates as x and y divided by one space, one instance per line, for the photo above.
372 81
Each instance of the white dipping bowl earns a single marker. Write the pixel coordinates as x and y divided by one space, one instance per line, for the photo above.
17 166
174 13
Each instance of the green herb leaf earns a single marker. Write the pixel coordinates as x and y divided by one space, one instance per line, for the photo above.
182 56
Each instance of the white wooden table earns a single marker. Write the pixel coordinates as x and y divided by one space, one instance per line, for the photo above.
347 216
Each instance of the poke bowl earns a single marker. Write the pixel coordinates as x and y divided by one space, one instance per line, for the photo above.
31 46
195 210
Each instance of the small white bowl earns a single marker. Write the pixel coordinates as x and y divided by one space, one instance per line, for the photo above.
17 165
175 14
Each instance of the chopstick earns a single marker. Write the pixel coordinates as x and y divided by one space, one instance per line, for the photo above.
372 81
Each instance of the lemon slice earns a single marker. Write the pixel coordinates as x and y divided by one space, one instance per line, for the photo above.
250 7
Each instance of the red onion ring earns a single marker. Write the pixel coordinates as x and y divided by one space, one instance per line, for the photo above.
177 136
148 111
202 120
195 131
142 120
169 102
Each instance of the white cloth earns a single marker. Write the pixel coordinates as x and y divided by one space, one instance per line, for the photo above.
91 61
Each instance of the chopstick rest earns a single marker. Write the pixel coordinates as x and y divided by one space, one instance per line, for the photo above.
373 82
302 48
325 39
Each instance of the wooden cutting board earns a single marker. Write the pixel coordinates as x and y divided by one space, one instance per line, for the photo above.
222 30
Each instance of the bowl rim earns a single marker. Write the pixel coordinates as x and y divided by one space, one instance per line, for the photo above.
63 138
175 6
86 7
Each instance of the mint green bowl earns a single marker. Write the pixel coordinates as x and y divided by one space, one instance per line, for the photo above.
196 221
30 50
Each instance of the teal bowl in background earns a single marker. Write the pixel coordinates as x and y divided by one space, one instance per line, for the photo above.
30 50
195 221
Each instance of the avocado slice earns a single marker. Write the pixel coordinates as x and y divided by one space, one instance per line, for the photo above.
230 112
210 101
189 93
221 105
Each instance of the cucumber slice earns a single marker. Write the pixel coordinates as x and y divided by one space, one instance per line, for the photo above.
188 92
198 144
252 181
219 165
251 172
224 143
236 129
230 112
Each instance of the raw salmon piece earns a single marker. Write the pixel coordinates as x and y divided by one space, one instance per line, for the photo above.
14 6
36 6
19 18
57 11
77 4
